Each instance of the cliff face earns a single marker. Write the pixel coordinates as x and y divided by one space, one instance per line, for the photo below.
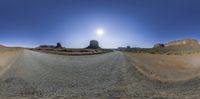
186 42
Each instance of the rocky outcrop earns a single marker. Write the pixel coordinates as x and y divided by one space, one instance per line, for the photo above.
93 44
178 43
128 47
46 46
187 42
58 45
158 45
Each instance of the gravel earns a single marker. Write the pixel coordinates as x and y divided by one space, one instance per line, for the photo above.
106 76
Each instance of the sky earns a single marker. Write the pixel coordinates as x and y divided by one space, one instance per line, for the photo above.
73 23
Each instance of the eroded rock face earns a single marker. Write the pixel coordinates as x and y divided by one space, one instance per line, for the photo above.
93 44
187 42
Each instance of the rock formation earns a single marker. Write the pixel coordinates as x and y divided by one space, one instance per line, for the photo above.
93 44
58 45
46 46
158 45
128 47
186 42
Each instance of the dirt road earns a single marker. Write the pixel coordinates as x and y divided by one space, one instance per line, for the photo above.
109 75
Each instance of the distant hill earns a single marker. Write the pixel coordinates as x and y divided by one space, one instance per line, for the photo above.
2 46
5 48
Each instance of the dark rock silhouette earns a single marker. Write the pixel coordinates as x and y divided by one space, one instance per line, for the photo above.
58 45
128 47
158 45
93 45
46 46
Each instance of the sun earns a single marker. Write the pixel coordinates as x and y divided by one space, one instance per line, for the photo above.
100 32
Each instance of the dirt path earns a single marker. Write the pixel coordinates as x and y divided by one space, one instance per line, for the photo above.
40 74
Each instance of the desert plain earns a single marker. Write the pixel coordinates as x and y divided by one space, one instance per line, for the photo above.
26 74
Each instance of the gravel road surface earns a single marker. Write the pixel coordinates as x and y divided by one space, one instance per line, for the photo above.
106 76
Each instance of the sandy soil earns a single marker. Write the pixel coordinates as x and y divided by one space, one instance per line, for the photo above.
167 67
7 57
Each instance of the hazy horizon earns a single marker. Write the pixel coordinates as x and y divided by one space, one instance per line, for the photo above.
138 23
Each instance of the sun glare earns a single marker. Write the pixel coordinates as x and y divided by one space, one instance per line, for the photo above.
99 32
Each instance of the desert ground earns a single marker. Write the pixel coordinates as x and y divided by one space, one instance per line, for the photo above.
113 75
7 57
166 67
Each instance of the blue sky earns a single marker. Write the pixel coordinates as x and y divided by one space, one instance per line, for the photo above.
139 23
